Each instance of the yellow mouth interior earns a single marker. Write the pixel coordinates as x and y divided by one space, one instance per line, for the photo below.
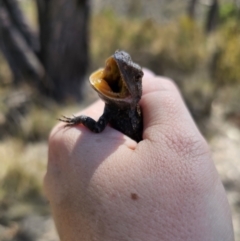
108 81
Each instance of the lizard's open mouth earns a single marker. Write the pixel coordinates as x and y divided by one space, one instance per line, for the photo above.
109 82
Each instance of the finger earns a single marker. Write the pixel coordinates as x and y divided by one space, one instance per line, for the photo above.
164 110
148 73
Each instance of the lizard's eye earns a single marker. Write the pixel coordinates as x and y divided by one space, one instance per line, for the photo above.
109 81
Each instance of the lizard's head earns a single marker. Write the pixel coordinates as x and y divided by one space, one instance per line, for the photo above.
119 81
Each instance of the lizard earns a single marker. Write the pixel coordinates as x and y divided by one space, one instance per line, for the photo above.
119 85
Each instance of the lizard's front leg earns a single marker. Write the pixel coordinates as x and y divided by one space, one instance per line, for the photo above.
92 125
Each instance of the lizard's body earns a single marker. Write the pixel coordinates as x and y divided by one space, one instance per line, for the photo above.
119 85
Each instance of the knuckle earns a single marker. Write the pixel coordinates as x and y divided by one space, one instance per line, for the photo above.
186 144
168 84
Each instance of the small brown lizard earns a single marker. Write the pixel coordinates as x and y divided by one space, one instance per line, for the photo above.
119 85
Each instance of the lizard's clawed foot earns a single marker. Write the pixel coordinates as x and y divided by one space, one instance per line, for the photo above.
70 121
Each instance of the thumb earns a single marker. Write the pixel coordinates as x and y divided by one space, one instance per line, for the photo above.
164 110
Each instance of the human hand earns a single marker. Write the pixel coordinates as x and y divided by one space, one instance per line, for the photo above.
107 187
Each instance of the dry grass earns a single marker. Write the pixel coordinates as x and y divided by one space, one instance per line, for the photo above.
225 69
179 44
21 169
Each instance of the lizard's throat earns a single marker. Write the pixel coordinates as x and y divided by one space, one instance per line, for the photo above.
109 82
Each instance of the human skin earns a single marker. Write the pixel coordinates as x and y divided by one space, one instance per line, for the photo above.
106 187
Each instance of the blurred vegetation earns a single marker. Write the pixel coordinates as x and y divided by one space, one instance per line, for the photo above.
203 66
178 44
200 64
228 11
225 68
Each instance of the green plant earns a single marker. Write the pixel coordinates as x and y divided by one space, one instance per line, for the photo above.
227 12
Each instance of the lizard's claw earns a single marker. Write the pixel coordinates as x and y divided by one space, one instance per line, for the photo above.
68 120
